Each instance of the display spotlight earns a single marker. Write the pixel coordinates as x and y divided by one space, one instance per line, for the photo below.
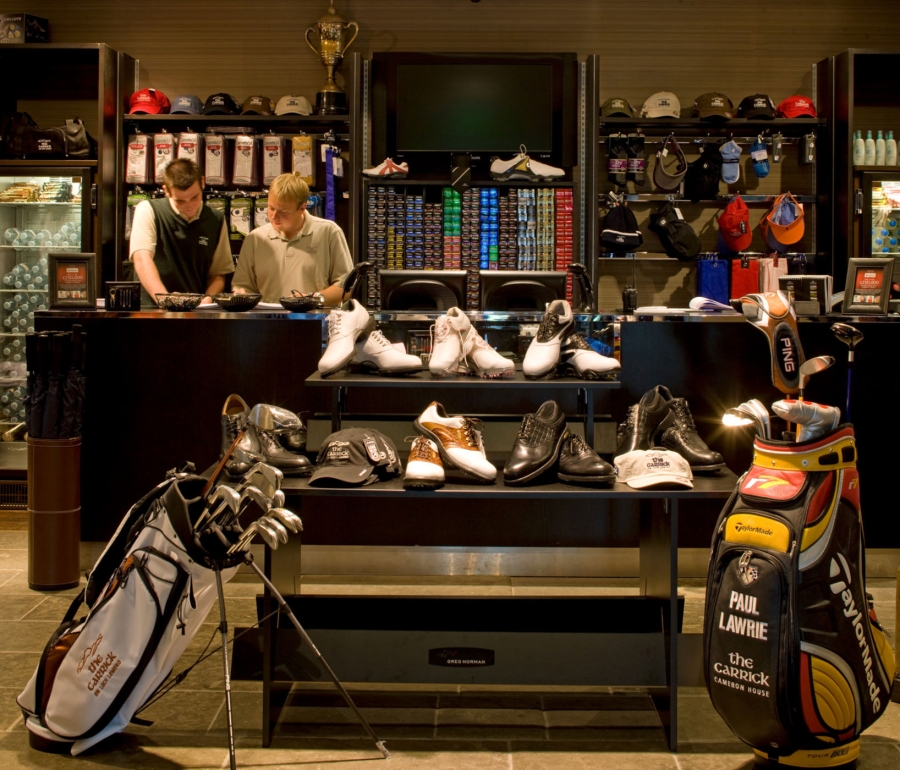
751 412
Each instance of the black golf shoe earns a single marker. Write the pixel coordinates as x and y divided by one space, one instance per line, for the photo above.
683 438
579 464
649 416
537 446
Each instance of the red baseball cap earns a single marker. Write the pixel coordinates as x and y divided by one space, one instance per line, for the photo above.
797 107
150 101
734 225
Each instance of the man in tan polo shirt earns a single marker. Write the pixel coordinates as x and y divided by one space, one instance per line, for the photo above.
294 251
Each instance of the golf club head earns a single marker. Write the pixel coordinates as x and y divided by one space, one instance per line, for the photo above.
277 526
221 503
762 414
849 335
277 500
264 481
253 505
813 366
290 519
267 533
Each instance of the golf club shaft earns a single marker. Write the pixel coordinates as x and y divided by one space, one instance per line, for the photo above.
223 628
215 474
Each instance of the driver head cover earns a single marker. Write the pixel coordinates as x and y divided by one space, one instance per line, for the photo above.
355 457
645 468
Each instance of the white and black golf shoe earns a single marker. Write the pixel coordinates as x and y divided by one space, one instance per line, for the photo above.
376 355
523 167
543 353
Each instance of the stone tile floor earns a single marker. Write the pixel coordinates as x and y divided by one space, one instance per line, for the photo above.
443 727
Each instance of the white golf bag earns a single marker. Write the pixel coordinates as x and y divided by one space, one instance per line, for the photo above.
148 594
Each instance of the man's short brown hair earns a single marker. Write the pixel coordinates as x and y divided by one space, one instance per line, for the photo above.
290 187
181 174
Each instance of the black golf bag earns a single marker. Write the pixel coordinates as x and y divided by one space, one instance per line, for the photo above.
795 660
147 596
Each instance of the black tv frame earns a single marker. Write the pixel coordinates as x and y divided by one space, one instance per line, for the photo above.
384 80
490 281
391 281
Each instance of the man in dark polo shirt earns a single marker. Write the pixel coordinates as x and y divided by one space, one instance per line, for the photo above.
177 243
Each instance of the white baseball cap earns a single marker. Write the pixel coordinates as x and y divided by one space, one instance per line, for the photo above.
293 105
662 104
644 468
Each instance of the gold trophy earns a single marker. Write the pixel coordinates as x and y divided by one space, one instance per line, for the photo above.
332 31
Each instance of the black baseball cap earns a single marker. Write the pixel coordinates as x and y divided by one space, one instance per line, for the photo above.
756 106
221 104
355 457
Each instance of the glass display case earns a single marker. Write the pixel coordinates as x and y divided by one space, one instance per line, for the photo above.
879 228
42 210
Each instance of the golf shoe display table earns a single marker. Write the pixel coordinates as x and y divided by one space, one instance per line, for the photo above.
629 640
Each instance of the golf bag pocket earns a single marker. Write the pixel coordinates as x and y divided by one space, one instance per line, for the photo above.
87 673
749 633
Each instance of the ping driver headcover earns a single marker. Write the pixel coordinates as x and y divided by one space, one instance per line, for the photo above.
774 316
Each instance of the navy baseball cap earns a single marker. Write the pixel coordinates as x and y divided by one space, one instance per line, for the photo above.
186 105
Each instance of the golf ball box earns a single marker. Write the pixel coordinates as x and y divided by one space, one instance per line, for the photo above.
23 28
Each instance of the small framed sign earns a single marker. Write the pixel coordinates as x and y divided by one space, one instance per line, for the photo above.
71 280
868 287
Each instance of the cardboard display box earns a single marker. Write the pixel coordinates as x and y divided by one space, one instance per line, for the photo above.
811 293
24 28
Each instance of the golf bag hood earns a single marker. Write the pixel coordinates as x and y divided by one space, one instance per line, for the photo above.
795 660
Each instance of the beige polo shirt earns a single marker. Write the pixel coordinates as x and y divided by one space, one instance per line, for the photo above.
316 258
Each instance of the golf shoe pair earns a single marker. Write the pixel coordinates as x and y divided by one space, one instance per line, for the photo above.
558 347
354 339
457 348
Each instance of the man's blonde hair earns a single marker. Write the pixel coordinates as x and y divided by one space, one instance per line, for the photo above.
290 187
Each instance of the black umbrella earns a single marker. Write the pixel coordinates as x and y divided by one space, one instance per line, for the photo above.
39 365
74 386
59 355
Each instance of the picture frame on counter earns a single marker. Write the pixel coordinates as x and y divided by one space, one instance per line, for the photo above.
868 287
71 280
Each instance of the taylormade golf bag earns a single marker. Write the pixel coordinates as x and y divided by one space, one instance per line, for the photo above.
147 595
795 660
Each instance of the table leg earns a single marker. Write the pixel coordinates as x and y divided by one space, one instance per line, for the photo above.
338 404
586 408
659 579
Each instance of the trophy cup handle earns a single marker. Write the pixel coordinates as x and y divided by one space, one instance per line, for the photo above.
355 33
314 49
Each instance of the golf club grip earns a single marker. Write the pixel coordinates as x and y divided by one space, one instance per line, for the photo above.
215 474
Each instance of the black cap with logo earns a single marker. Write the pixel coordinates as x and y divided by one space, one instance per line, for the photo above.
355 457
756 106
221 104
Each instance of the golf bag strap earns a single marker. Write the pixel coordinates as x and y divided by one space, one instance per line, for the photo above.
836 452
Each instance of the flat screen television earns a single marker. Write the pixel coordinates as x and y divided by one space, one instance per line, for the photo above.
422 290
480 104
524 290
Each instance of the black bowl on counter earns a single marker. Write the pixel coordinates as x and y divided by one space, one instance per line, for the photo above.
237 302
178 302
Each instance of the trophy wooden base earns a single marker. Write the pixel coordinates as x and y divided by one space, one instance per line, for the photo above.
331 103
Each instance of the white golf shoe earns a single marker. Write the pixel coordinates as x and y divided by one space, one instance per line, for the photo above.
542 355
344 328
375 354
579 358
424 469
522 167
458 348
457 439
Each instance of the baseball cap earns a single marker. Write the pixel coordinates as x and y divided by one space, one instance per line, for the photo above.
662 104
731 170
221 104
734 225
783 225
257 105
149 101
671 165
713 106
186 105
616 106
355 457
797 107
756 106
644 468
293 105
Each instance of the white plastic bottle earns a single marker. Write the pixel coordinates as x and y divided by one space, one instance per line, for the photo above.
879 150
890 150
859 149
870 149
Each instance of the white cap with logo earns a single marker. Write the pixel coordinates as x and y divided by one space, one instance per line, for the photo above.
644 468
662 104
293 105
